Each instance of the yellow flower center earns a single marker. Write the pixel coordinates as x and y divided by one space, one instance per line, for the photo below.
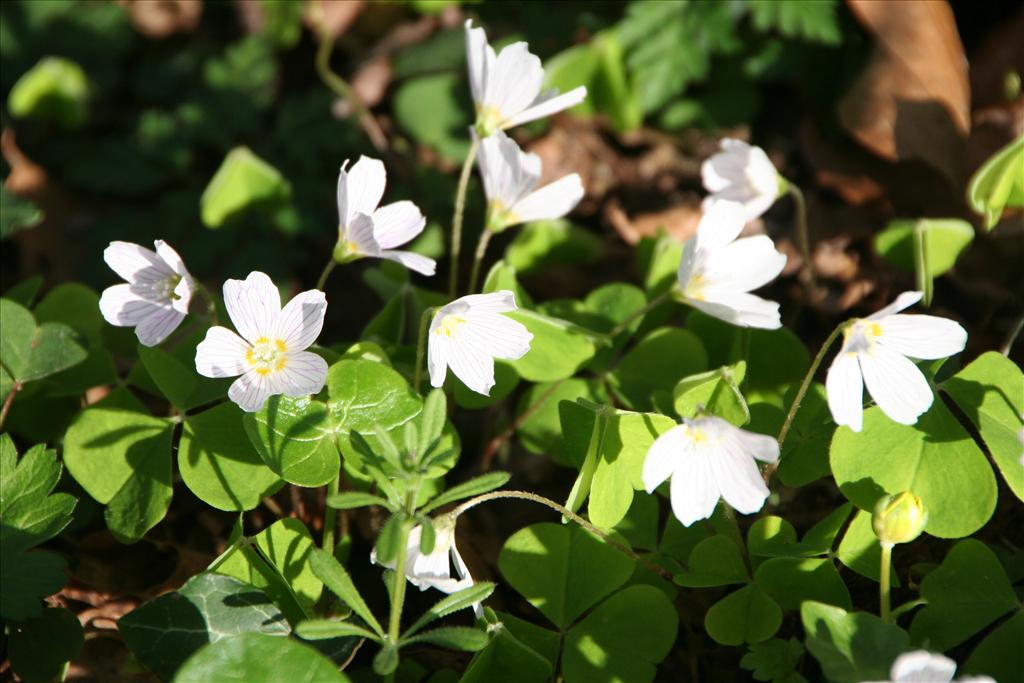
449 325
695 287
861 336
267 356
488 120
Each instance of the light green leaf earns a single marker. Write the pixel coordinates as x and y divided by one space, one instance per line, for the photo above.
622 639
503 275
172 377
39 648
325 629
286 545
717 391
452 638
55 89
998 183
944 240
851 646
543 243
936 459
462 599
791 581
966 593
243 183
443 95
16 214
334 576
259 658
467 489
122 459
295 440
748 615
812 21
29 352
990 392
507 659
349 500
715 561
30 513
165 632
540 431
557 351
657 363
860 551
218 463
562 570
659 262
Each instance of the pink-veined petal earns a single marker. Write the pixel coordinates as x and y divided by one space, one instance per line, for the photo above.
170 257
922 336
120 305
896 384
739 308
411 260
844 387
496 335
157 326
250 391
301 320
221 354
130 261
304 373
360 188
514 82
253 305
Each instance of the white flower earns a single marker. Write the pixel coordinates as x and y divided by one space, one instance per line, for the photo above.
434 570
510 178
708 458
875 353
507 87
718 271
156 298
469 333
741 173
366 230
270 354
922 666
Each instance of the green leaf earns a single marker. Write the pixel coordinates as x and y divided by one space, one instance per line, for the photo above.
544 243
659 262
29 352
562 570
507 659
243 183
55 89
936 459
998 183
259 658
462 599
246 564
791 581
123 460
165 632
505 381
999 655
334 576
804 456
860 551
432 420
286 545
452 638
851 646
770 536
349 500
990 392
30 513
717 391
39 648
966 593
218 463
775 660
557 351
26 578
540 431
24 293
467 489
160 374
325 629
443 95
748 615
77 306
622 639
813 21
715 561
174 380
295 440
656 363
929 247
16 214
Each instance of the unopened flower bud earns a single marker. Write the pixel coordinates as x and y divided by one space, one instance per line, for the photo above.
899 518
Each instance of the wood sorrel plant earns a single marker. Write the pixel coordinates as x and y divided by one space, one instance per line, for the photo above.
690 416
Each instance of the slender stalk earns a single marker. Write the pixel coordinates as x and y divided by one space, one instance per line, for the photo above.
328 269
330 514
803 236
811 371
565 512
1012 337
421 347
921 271
460 208
478 257
273 506
885 568
15 388
646 308
398 587
342 89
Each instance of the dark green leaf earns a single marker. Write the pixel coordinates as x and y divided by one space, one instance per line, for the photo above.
293 437
748 615
323 629
851 646
657 363
715 561
39 648
349 500
462 599
334 576
453 638
259 658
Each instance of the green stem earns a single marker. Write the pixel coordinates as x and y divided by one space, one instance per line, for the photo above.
922 273
328 269
460 207
885 569
798 399
421 346
478 257
565 512
15 388
330 514
803 236
646 308
400 579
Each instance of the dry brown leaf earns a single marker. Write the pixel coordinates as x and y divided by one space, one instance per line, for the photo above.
913 100
331 17
372 79
161 18
679 221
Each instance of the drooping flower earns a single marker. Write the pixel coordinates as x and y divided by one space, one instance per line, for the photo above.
507 87
268 355
718 271
876 353
707 459
921 666
741 173
510 179
157 294
469 333
368 231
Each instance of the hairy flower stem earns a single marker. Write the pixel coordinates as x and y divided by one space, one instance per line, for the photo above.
478 257
565 512
399 578
803 236
885 569
646 308
460 208
421 347
328 269
330 514
811 371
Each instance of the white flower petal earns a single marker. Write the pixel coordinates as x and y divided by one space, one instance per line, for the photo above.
411 260
663 457
687 264
742 173
745 264
253 305
497 335
721 223
123 307
739 308
221 354
922 666
515 81
738 478
304 373
361 188
476 59
844 388
169 256
762 447
551 201
437 358
251 390
183 291
156 327
895 383
693 490
473 365
922 336
397 223
301 320
508 172
359 236
903 301
130 261
721 169
547 104
501 301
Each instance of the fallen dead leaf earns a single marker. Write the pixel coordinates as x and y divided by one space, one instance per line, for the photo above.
162 18
679 221
331 17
